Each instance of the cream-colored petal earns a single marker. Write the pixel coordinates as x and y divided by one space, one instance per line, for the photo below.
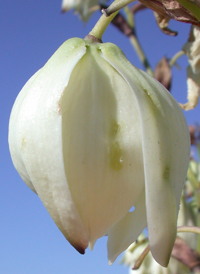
166 151
39 139
82 7
16 144
101 143
127 230
70 4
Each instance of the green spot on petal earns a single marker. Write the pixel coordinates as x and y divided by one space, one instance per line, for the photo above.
166 173
114 130
116 160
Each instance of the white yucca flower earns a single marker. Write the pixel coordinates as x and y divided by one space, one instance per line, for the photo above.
94 136
149 265
82 7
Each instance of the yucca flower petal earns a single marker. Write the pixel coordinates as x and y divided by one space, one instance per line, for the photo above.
127 230
165 153
35 138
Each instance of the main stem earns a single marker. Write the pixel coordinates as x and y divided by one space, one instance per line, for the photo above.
116 6
102 25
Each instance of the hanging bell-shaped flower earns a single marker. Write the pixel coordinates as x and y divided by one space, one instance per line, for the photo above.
94 136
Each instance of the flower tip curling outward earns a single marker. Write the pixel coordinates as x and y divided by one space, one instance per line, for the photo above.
117 139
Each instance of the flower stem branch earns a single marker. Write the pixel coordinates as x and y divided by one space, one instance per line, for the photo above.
180 257
101 26
134 41
175 57
116 6
136 244
193 229
141 258
130 17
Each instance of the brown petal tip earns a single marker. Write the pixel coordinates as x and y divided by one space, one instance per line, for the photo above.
80 249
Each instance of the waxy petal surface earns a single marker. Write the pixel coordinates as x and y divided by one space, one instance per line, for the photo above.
15 141
39 139
88 133
101 143
127 230
166 150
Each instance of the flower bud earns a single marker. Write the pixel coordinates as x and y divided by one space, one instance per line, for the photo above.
94 136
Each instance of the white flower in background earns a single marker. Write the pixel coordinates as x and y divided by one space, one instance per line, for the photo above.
149 265
82 7
94 136
192 50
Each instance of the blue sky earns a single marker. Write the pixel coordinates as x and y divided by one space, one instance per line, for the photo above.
30 32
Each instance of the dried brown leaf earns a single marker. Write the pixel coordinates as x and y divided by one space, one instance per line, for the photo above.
192 130
122 25
183 253
172 9
163 22
163 73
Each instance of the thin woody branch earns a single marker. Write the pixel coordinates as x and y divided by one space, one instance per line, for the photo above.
120 22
